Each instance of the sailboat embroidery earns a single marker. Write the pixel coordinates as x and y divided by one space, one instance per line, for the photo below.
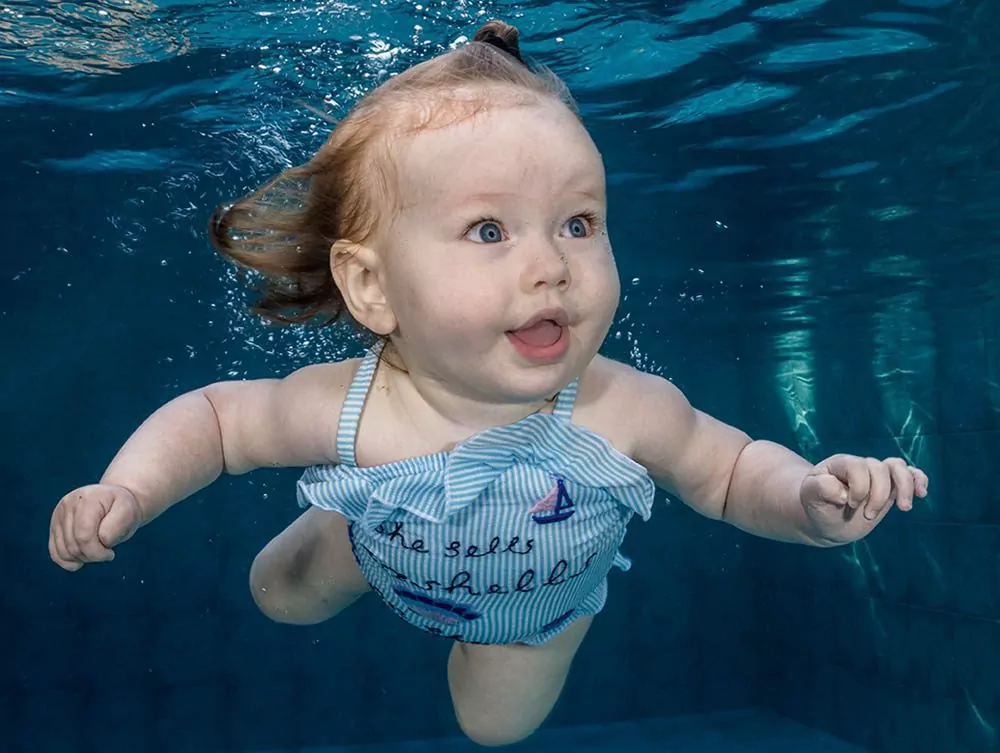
556 505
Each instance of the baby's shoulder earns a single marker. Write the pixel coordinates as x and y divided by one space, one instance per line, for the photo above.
607 397
314 395
608 383
320 384
330 377
621 402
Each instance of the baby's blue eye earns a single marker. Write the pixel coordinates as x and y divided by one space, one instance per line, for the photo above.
487 232
578 227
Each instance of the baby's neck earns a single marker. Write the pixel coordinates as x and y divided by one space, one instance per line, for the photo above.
427 403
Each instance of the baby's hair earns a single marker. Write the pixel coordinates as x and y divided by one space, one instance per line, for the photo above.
284 230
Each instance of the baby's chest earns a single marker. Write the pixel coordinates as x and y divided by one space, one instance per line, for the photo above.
528 516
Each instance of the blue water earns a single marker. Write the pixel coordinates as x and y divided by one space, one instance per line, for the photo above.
805 205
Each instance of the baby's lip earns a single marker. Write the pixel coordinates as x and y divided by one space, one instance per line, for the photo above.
556 315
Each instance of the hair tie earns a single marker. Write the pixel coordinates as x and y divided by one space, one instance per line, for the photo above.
501 44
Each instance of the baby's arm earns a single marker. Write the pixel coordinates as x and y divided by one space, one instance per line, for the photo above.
234 428
717 469
231 427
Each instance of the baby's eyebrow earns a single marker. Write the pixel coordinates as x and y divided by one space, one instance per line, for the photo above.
486 197
589 193
498 197
459 202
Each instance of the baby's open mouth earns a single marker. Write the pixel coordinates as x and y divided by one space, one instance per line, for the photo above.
544 334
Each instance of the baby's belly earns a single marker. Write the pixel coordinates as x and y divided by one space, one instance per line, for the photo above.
489 575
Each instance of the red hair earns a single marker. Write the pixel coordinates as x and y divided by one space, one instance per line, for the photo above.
284 230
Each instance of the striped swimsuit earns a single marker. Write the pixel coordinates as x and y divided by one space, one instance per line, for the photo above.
507 538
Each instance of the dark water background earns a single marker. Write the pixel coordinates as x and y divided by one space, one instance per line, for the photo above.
804 203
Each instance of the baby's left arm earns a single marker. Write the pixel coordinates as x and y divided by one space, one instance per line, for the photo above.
759 486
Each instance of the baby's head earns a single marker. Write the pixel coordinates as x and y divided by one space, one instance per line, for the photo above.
457 205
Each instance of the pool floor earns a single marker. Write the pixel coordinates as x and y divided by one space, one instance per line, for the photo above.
748 731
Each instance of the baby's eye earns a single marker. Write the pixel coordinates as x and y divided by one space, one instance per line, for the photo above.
486 231
580 226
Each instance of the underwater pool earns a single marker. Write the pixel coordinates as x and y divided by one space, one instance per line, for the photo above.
804 201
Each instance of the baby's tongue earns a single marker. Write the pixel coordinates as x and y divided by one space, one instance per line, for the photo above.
541 335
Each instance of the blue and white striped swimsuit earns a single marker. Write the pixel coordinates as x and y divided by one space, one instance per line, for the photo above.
507 538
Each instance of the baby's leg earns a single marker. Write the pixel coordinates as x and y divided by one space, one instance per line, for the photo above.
502 694
307 573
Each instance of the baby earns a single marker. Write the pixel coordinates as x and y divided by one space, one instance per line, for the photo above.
478 467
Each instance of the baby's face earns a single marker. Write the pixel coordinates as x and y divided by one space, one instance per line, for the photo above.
502 224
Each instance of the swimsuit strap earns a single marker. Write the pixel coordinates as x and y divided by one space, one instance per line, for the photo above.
354 402
566 400
357 394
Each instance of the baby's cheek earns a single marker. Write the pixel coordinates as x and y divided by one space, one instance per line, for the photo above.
603 286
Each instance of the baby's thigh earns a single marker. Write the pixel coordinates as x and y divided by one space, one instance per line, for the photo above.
502 694
307 573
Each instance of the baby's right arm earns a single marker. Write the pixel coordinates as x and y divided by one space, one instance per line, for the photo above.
231 427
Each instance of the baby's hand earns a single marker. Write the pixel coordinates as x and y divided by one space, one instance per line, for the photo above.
89 522
847 496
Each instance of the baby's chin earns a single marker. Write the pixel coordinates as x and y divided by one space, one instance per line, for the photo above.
535 383
498 374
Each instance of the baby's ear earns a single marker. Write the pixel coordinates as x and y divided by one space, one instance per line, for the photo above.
357 272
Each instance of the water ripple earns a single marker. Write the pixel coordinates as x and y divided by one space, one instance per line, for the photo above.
823 128
735 98
89 37
120 160
706 94
794 9
858 43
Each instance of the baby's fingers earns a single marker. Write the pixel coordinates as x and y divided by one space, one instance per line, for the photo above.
921 483
119 524
58 550
902 483
880 493
85 526
831 490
